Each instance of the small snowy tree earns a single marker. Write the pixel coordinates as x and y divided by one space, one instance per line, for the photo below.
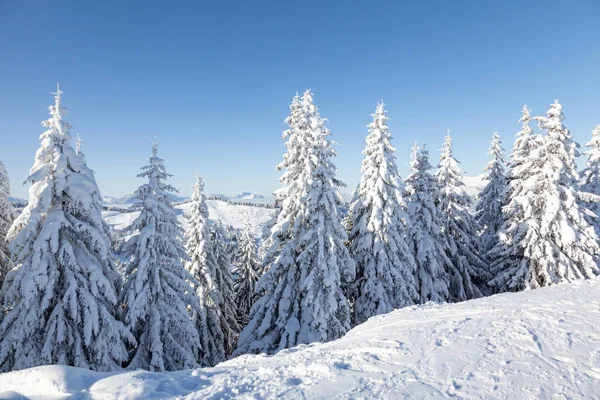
488 210
246 275
384 264
7 214
157 286
544 238
460 229
425 237
591 178
231 242
61 297
224 284
301 295
202 266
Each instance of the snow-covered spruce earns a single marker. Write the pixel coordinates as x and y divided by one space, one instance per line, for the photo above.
286 197
202 266
246 272
591 178
231 242
7 215
525 143
488 210
301 296
544 238
157 286
425 238
384 264
460 229
224 284
61 297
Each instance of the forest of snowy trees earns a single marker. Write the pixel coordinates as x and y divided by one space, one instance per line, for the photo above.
159 298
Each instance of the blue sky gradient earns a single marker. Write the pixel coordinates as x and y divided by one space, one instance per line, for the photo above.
213 80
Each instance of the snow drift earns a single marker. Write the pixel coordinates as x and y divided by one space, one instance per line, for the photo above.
534 344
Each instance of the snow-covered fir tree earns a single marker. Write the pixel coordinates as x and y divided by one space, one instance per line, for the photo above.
202 266
61 297
488 210
157 286
246 275
7 215
385 265
301 296
425 238
224 284
287 197
591 178
525 143
231 242
460 229
544 238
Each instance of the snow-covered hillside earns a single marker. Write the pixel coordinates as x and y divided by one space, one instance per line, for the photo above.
229 214
474 185
535 344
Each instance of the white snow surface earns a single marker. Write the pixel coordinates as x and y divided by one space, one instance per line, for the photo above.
535 344
474 185
229 214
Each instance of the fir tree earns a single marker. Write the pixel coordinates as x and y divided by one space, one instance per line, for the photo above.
544 238
224 284
246 273
525 143
157 286
202 266
591 179
7 214
61 297
425 238
384 263
301 295
460 229
488 210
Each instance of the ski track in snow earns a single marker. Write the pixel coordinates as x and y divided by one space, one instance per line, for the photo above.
536 344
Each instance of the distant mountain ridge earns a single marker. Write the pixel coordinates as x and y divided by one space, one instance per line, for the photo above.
248 196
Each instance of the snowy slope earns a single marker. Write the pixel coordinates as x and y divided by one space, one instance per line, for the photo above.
230 214
536 344
474 185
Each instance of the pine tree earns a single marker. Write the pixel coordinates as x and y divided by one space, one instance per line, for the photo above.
384 263
224 284
231 242
287 197
488 210
7 215
61 297
301 296
202 266
544 238
425 238
591 179
460 229
246 273
157 286
525 144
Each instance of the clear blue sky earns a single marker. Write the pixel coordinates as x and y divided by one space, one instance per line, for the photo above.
213 80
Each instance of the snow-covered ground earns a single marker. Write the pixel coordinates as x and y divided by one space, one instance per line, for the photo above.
538 344
229 214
